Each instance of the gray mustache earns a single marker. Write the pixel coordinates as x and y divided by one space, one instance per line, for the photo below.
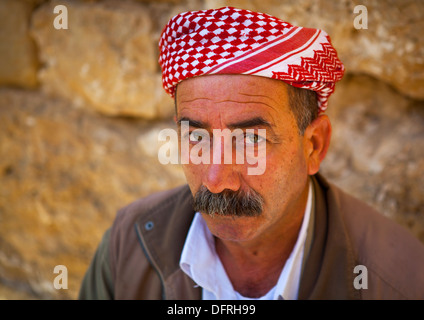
229 203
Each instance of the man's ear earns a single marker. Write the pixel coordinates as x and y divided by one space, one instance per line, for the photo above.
316 141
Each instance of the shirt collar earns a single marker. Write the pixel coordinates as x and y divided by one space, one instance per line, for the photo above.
201 263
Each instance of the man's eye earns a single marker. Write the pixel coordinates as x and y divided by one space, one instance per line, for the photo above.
253 138
196 136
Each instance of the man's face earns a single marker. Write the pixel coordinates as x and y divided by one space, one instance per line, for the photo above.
219 102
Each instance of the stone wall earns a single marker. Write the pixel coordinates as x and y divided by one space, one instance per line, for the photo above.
81 108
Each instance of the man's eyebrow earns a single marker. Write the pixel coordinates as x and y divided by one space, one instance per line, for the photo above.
243 124
249 123
193 123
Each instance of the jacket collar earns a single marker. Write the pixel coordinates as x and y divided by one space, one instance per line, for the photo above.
171 220
328 270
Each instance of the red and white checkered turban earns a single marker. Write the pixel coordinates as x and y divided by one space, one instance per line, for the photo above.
236 41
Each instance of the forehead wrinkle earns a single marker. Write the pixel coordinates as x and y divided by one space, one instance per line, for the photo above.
259 95
229 100
270 118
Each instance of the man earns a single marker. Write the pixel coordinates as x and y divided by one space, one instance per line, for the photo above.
285 233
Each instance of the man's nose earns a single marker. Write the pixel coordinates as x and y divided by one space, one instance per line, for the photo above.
219 177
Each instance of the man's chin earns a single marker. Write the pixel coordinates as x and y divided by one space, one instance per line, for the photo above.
232 227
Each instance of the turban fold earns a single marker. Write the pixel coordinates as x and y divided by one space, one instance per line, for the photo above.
237 41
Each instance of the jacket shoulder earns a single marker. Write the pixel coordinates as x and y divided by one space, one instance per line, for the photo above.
394 258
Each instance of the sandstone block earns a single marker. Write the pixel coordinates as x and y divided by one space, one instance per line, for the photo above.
107 59
377 149
18 55
64 174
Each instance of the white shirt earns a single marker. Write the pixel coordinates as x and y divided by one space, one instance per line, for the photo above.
201 263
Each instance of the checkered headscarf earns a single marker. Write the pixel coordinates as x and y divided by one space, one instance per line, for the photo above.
236 41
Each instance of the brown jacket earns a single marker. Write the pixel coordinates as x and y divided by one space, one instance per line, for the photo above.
138 257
